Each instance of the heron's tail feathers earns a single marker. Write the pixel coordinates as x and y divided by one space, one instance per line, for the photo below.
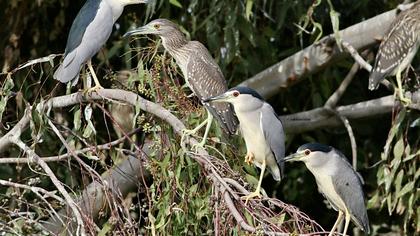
375 78
275 172
225 116
68 70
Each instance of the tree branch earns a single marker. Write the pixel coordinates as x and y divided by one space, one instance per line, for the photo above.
118 181
105 146
322 118
211 165
32 155
319 55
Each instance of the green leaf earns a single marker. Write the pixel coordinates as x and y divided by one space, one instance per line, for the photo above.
105 229
415 123
77 120
90 128
398 180
373 201
418 219
175 3
399 149
407 188
334 16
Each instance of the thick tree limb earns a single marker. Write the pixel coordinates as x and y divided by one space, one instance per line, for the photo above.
322 118
319 55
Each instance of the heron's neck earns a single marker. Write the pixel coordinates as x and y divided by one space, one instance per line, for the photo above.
116 8
175 43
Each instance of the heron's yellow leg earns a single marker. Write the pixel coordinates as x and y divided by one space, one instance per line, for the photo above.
405 101
346 226
337 223
257 192
95 79
207 122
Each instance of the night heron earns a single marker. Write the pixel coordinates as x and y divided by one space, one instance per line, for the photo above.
201 72
261 129
398 48
90 30
337 181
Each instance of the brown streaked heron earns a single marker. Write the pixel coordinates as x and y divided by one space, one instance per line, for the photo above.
90 30
262 130
201 72
340 184
397 49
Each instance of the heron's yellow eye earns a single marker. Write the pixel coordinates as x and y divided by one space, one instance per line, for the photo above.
307 152
157 26
236 93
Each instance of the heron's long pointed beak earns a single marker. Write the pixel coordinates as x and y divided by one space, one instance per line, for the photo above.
293 157
219 98
141 30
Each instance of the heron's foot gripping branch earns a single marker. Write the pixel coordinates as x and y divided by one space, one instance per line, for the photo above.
249 158
403 99
94 89
256 194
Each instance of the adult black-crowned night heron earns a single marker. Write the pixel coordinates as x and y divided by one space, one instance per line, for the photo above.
201 72
90 30
337 181
261 129
398 48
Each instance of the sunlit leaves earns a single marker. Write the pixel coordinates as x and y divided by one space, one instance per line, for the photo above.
398 175
90 128
175 3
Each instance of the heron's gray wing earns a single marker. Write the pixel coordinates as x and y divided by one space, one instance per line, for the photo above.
347 184
206 80
94 37
400 38
83 19
274 134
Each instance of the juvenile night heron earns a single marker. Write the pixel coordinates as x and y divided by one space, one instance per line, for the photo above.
261 129
202 74
337 181
90 30
398 48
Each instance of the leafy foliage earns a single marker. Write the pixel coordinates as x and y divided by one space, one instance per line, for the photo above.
245 37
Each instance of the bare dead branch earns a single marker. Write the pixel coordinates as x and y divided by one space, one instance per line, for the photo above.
335 97
118 181
364 64
32 155
31 188
16 131
356 56
235 212
105 146
332 103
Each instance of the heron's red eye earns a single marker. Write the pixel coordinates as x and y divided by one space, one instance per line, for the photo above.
236 93
157 26
307 152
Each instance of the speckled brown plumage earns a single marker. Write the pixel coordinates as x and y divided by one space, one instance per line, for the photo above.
201 72
398 47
